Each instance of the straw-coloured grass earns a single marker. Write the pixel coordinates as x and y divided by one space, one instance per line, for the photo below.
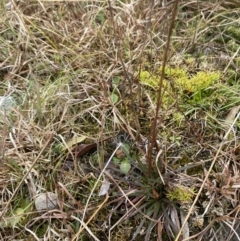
128 112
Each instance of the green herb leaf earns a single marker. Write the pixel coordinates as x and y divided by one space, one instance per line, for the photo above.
114 98
125 166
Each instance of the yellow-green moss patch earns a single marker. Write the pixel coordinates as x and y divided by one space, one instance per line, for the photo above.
184 81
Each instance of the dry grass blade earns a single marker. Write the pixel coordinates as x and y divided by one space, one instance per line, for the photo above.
23 179
121 110
92 191
89 220
206 177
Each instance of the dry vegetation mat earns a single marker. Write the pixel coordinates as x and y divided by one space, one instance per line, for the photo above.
119 120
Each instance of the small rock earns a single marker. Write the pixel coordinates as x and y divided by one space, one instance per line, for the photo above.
46 201
6 103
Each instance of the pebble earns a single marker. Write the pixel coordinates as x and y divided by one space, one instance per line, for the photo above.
46 201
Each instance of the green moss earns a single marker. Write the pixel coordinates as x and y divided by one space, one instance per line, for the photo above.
181 194
233 45
201 80
148 79
233 32
232 37
182 80
175 73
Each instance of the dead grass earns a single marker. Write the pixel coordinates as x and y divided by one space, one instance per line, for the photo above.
83 117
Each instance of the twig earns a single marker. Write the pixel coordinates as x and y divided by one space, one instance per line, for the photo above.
23 179
152 134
